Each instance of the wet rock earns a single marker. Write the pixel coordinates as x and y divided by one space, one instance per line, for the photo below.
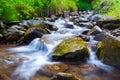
110 26
82 19
97 17
13 36
112 55
86 24
49 19
110 48
50 26
3 76
116 32
108 21
53 17
100 37
35 22
1 35
35 32
69 25
100 50
85 32
75 13
85 38
65 76
53 69
66 14
11 23
74 48
87 69
95 30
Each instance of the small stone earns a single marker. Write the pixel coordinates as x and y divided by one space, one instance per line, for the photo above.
65 76
53 69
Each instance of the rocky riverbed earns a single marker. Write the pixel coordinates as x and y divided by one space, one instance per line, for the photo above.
69 46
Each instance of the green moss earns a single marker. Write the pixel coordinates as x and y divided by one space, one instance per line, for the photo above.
71 45
101 50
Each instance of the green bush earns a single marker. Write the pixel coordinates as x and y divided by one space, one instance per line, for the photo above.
84 4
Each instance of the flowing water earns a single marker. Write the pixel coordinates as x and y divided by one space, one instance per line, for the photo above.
38 50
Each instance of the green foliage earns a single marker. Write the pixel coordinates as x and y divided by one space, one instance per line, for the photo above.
28 9
84 4
12 10
109 7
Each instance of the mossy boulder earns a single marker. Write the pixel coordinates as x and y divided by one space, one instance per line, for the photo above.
112 55
12 37
109 50
34 32
74 48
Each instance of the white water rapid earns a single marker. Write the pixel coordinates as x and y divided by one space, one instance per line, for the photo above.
37 51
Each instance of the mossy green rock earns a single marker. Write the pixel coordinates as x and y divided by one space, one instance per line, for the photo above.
34 32
109 51
101 50
72 48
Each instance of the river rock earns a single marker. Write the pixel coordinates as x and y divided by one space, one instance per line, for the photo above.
13 36
53 69
109 50
65 76
3 76
100 50
100 37
111 26
112 21
87 68
69 25
97 17
83 19
74 48
85 32
34 32
86 24
84 37
95 30
66 14
50 26
75 13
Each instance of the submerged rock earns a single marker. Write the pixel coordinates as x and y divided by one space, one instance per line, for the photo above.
53 69
74 48
3 76
65 76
